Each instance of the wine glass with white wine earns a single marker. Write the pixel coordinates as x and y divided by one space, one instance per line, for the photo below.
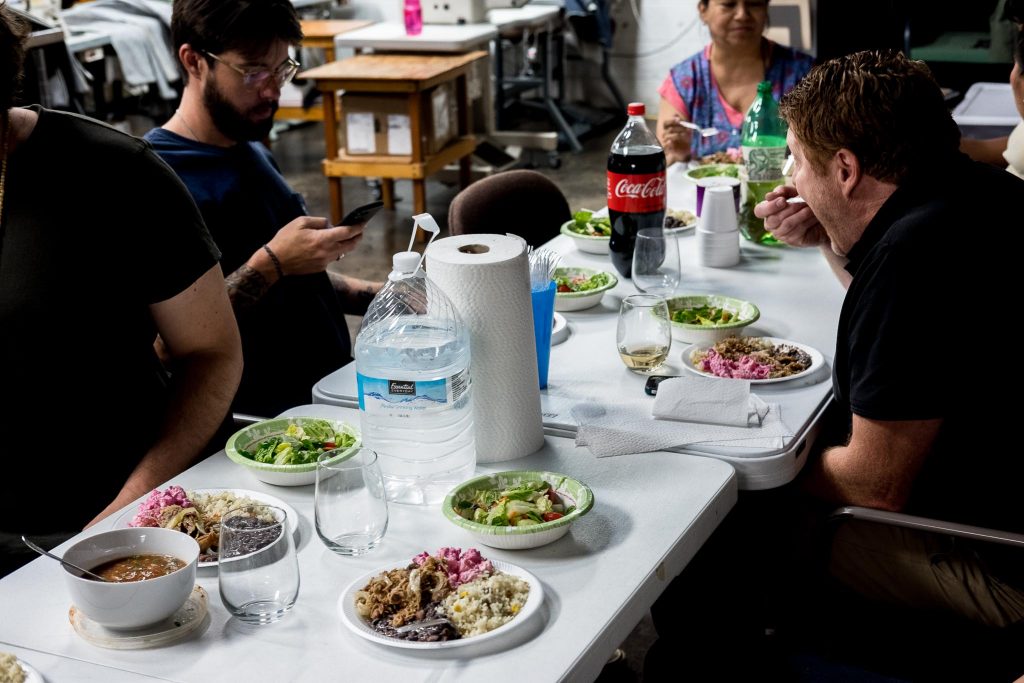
644 334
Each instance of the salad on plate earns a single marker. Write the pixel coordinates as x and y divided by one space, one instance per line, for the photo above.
585 223
300 444
527 504
575 281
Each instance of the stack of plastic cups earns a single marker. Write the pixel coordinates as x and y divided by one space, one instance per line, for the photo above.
718 236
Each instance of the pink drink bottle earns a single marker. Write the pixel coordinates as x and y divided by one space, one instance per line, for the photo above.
413 17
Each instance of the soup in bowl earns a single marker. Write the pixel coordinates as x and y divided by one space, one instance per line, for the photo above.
151 573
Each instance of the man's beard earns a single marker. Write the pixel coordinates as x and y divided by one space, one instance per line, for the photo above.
232 123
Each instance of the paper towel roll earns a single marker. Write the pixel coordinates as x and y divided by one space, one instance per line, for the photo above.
488 280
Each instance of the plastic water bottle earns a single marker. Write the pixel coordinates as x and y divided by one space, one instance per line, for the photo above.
413 17
764 154
415 392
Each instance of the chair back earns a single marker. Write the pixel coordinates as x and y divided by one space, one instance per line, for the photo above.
524 203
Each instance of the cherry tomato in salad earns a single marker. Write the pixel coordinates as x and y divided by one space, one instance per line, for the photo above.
552 516
329 445
564 288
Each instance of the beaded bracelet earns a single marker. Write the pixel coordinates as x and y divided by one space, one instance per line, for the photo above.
277 262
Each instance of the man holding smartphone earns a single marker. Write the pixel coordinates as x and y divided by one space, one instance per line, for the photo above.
290 309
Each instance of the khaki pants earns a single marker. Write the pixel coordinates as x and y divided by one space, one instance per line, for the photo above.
924 571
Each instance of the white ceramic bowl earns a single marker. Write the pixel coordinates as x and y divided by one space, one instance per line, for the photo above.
577 301
519 537
745 313
248 438
139 603
587 243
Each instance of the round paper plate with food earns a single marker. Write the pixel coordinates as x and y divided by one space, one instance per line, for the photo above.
679 220
201 518
451 599
590 230
580 288
761 360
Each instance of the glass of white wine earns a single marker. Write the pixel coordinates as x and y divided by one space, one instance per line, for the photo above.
644 334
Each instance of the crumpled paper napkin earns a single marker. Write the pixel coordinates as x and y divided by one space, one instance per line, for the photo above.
692 398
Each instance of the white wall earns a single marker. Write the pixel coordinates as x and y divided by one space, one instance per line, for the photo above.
667 32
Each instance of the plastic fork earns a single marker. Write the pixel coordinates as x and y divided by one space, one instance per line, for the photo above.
704 132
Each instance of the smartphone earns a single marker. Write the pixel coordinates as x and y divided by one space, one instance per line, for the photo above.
362 214
651 388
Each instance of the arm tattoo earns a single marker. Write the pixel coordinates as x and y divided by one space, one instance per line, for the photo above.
246 286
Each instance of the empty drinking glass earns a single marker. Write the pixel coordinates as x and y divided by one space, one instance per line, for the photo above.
644 334
656 262
258 569
350 504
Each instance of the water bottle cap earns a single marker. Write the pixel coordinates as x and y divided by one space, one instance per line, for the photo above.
405 262
636 109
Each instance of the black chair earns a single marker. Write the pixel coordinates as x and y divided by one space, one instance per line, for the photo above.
525 203
892 643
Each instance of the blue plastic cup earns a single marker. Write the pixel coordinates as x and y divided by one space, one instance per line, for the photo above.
543 318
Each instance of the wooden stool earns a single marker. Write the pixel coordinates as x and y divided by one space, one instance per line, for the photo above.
409 75
319 33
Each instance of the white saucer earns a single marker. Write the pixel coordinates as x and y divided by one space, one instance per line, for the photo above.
187 619
559 329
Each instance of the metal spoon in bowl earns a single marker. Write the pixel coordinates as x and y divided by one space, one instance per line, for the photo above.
64 562
704 132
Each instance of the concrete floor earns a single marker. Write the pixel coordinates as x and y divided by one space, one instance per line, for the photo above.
581 178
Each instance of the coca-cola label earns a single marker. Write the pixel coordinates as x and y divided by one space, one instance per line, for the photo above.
636 193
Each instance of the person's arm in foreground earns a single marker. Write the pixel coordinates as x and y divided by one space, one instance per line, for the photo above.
988 151
306 245
878 466
199 332
355 294
672 136
796 225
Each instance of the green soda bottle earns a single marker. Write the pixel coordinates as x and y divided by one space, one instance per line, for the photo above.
764 154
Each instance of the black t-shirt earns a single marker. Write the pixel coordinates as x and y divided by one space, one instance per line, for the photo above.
923 334
297 333
95 229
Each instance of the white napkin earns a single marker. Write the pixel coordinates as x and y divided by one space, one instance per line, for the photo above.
629 428
692 398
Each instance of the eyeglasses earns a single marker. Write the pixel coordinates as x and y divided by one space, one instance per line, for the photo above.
257 78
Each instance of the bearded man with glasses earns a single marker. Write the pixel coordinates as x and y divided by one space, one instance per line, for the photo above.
290 310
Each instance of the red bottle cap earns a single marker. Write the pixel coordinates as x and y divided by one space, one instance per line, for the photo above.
636 109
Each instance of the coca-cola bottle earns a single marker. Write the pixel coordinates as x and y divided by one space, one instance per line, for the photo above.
636 187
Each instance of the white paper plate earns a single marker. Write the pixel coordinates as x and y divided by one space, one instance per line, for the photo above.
817 361
31 674
185 620
355 623
559 329
293 517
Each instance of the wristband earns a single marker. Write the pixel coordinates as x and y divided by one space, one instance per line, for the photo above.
273 257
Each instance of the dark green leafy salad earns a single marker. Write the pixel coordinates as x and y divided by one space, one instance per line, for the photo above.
584 223
300 445
579 282
527 504
703 315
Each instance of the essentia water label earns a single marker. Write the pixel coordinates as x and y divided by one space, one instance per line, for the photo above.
636 193
401 398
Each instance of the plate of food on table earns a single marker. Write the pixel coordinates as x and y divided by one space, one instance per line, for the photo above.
448 599
760 360
197 513
591 230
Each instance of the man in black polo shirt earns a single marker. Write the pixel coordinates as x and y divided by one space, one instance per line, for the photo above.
922 238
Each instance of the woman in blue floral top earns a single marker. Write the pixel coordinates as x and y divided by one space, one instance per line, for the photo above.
715 87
